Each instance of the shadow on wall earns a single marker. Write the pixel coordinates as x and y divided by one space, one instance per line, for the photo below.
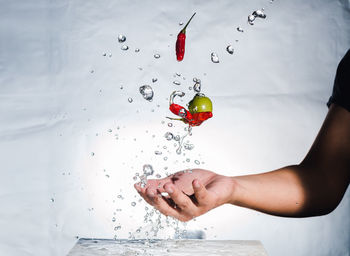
346 4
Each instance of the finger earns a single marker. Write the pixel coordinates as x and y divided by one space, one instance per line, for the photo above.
160 203
182 200
143 194
200 193
142 187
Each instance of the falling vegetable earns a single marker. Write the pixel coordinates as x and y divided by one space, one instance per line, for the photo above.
180 42
199 109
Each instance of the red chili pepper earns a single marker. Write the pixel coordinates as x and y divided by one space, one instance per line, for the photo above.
180 42
195 119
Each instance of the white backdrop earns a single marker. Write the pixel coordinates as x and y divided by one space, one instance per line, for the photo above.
269 102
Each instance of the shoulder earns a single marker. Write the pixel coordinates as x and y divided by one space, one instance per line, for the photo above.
341 88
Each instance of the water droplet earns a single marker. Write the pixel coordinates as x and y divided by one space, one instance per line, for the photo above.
158 152
130 100
229 49
196 80
110 55
196 162
121 87
114 219
121 38
169 136
157 56
104 54
197 87
134 178
251 19
177 138
92 71
92 153
170 124
154 80
182 112
188 160
181 23
190 88
165 158
117 228
256 14
133 204
52 200
147 92
148 170
124 47
259 13
214 57
239 29
110 130
177 82
188 146
137 50
158 176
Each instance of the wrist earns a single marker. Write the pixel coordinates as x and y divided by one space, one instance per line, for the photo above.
234 190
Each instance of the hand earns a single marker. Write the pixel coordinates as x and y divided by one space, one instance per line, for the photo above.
191 193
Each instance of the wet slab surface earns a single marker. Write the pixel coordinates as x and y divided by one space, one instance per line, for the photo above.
97 247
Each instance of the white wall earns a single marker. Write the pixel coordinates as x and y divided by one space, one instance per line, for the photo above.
269 101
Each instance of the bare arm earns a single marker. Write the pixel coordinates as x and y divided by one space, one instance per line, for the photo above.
314 187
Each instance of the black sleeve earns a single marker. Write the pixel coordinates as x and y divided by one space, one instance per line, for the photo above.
341 88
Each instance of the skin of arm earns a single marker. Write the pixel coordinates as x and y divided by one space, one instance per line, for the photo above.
313 187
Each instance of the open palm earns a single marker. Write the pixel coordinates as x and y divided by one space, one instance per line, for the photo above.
187 194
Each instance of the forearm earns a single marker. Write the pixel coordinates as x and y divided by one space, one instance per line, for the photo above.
291 191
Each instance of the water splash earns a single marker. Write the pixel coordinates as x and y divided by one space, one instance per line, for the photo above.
121 38
124 47
169 136
239 29
174 94
147 92
256 14
259 13
188 146
251 19
197 87
181 139
229 49
214 57
148 170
